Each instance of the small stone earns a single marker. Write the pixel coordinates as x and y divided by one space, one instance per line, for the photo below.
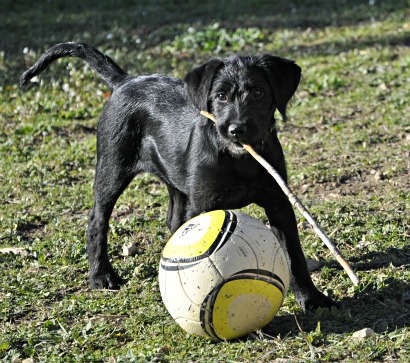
363 334
379 175
129 249
383 87
303 225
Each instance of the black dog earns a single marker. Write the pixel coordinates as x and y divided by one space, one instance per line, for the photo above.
152 124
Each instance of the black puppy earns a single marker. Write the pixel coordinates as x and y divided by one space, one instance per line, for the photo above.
152 124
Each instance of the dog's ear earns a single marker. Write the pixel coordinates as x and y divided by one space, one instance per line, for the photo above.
198 83
284 77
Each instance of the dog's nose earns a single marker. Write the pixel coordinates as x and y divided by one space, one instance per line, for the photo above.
237 130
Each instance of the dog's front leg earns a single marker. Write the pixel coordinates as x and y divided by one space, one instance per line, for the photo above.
307 295
176 208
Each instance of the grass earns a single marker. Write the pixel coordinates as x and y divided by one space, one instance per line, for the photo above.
347 148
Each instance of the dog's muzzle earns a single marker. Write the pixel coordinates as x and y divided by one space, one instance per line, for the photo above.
237 130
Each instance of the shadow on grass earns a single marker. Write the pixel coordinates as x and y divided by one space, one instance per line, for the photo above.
374 260
382 306
135 26
337 47
118 24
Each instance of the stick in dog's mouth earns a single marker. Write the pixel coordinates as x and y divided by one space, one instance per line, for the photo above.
296 202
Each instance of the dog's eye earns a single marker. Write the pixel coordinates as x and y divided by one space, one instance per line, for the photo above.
257 93
221 96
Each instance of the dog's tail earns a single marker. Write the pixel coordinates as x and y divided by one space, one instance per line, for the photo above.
106 68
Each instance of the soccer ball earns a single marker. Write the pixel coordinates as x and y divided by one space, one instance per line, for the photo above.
223 275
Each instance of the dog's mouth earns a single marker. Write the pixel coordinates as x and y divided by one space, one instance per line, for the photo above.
236 147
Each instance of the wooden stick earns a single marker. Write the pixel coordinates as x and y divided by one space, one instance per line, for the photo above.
297 203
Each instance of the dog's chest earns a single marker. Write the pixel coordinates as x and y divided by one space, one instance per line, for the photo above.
233 184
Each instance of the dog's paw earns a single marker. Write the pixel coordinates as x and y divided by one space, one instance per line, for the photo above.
106 280
316 300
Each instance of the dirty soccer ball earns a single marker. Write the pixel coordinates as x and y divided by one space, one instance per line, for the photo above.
223 274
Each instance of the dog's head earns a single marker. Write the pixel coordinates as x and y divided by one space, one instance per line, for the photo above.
243 94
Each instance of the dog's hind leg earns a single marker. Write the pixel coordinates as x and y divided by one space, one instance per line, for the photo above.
110 182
